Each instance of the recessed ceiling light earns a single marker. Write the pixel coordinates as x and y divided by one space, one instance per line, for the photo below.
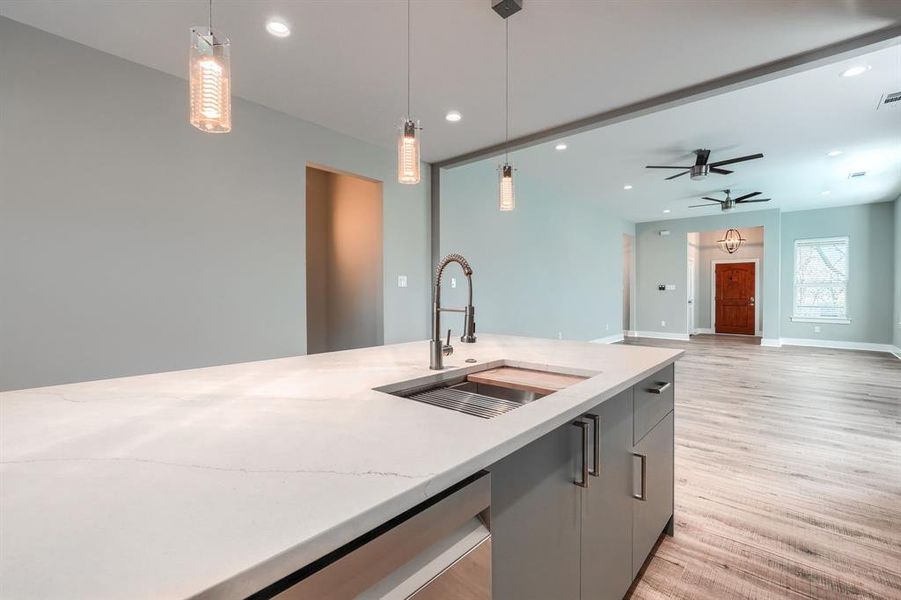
833 153
627 187
453 116
560 146
278 28
826 192
666 211
855 71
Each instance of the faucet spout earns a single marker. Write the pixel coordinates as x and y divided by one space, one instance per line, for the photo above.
438 348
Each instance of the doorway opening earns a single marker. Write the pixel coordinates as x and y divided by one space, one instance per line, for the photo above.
344 261
725 297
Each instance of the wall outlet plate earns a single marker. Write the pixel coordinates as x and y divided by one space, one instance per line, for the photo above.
401 281
661 287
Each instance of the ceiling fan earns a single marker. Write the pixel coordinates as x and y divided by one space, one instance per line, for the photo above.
701 168
729 203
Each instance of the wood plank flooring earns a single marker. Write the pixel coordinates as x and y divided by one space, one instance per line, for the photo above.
788 475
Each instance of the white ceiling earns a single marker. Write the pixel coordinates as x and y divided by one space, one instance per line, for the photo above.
344 64
794 121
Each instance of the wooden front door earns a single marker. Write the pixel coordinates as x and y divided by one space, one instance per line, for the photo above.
735 298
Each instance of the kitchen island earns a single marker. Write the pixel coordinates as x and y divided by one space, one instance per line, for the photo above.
220 481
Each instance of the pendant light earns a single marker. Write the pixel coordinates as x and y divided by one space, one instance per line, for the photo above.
506 200
408 142
731 241
209 73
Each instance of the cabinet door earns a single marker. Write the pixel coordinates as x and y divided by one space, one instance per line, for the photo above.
607 506
536 519
654 483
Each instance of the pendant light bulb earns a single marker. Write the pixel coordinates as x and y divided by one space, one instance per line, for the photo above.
506 197
506 200
209 73
408 154
408 142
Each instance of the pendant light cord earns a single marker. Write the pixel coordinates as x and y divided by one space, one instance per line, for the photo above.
506 90
211 18
408 59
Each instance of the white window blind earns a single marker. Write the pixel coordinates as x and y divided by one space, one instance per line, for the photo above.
821 279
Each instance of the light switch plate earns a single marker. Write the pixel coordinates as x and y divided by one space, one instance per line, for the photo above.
670 287
401 281
453 282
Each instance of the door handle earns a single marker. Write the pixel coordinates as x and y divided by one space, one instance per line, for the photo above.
662 386
643 496
596 448
583 483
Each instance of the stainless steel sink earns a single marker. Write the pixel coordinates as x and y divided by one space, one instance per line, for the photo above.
477 399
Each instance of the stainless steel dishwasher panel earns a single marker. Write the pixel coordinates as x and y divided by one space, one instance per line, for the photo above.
440 549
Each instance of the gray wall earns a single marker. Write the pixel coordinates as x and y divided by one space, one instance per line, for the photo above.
897 317
664 260
131 243
708 251
553 265
344 262
870 228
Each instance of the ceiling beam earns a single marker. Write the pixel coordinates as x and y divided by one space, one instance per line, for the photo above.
850 48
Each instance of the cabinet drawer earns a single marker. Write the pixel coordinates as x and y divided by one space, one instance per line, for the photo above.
652 401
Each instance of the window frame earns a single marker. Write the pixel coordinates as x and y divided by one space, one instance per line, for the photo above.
809 242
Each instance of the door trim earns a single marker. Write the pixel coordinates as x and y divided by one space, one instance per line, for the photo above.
713 264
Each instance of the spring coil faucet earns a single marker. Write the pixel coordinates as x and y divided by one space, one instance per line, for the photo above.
438 348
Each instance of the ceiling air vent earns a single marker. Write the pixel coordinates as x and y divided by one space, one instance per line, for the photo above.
856 174
892 100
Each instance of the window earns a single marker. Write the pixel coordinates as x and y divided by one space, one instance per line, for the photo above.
821 280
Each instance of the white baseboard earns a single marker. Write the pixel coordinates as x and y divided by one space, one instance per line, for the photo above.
629 333
662 335
867 346
610 339
771 342
704 330
896 351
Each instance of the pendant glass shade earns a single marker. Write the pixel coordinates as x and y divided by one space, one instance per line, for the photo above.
732 241
408 154
506 200
210 81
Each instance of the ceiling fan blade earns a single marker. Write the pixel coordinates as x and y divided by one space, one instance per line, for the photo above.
730 161
701 205
746 196
665 167
674 176
749 201
713 199
720 171
703 155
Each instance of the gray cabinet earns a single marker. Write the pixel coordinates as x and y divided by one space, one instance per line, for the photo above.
607 506
536 520
652 488
554 538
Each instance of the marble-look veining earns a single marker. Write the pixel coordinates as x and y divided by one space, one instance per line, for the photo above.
217 481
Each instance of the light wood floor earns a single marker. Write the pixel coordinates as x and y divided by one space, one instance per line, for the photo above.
788 474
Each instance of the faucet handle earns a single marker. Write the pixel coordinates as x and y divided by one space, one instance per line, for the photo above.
447 349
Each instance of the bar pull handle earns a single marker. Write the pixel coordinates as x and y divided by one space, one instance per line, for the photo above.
643 496
596 448
662 386
584 427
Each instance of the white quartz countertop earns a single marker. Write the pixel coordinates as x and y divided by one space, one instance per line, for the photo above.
218 481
